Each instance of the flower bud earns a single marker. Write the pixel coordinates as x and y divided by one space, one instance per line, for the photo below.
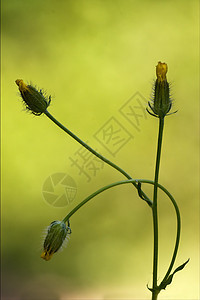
56 234
34 100
161 102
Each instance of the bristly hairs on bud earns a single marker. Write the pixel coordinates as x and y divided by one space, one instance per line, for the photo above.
161 101
57 233
35 100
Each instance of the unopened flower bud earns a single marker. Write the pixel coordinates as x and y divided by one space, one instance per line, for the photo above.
161 102
34 100
56 235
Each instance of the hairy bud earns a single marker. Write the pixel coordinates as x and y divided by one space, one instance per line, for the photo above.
56 234
161 102
34 100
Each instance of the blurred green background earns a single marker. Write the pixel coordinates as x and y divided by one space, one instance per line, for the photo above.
92 56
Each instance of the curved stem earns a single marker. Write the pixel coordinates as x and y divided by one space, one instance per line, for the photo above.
178 218
96 153
95 194
135 181
154 210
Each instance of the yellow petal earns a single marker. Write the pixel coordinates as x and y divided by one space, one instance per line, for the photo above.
46 256
22 86
161 71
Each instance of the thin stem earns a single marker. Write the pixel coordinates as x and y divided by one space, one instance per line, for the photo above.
95 194
178 220
177 239
96 154
154 210
135 181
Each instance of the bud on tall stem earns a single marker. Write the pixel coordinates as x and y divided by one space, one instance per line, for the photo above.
161 102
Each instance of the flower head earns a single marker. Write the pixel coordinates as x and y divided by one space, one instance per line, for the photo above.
161 71
34 100
56 235
161 102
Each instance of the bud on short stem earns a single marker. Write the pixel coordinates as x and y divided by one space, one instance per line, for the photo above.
56 234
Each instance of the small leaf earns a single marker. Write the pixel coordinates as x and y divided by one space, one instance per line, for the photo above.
181 267
149 288
169 279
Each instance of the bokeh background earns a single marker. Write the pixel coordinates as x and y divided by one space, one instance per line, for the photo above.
92 56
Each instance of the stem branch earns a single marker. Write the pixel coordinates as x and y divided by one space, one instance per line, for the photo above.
135 181
96 154
95 194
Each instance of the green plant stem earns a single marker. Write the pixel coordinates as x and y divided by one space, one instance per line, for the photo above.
177 238
178 221
142 181
96 154
95 194
155 290
134 182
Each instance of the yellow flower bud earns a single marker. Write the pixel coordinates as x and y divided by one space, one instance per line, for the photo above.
34 100
161 101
